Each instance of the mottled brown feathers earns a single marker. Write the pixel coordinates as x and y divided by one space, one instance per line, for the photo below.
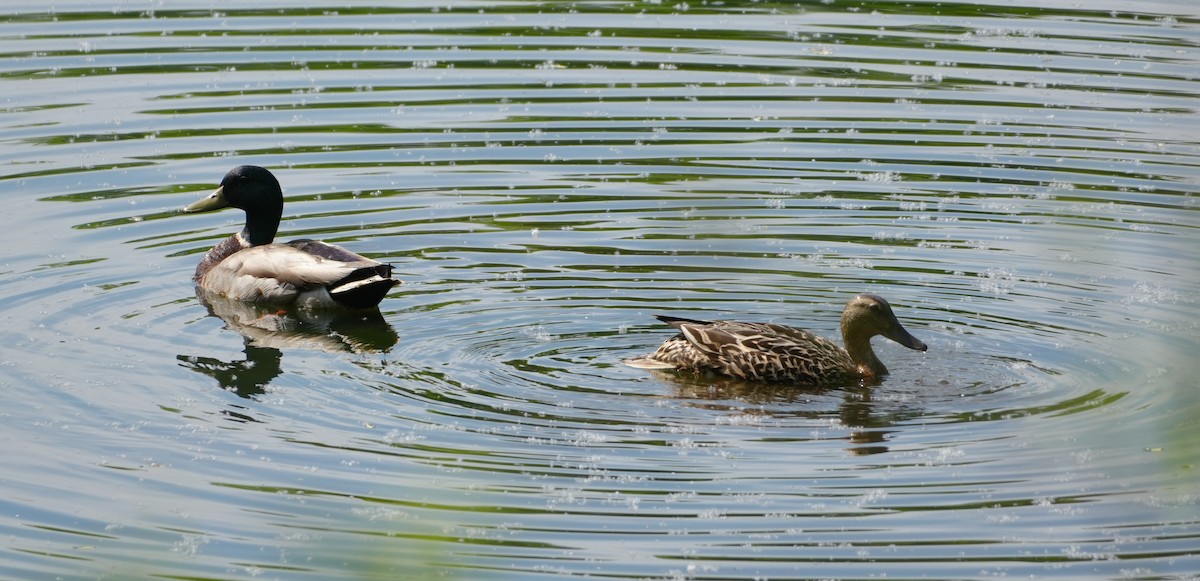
768 352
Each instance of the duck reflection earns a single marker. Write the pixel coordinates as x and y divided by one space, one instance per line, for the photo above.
268 329
856 410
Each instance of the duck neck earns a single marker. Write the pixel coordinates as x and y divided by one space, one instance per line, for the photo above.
863 356
261 226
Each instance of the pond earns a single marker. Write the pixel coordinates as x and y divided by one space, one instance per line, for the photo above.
1018 179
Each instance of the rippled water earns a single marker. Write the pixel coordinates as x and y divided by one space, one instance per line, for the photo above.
1018 179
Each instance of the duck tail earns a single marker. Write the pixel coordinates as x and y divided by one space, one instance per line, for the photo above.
648 362
677 321
365 287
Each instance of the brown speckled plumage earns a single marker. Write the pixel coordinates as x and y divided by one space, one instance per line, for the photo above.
767 352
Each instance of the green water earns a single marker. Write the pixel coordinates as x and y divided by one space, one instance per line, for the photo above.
1018 180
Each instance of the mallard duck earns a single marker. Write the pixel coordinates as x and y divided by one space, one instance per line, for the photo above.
766 352
249 266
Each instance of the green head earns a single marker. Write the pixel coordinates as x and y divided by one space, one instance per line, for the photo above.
253 190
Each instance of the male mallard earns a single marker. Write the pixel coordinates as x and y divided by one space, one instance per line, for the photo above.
770 352
307 273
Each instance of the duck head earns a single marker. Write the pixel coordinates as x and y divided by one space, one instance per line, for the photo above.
866 316
253 190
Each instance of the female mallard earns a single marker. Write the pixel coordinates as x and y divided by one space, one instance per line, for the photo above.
306 273
770 352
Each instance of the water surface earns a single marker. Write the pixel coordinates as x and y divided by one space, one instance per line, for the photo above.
1018 179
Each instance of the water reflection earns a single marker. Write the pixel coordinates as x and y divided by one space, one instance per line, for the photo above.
854 407
247 377
268 329
323 330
